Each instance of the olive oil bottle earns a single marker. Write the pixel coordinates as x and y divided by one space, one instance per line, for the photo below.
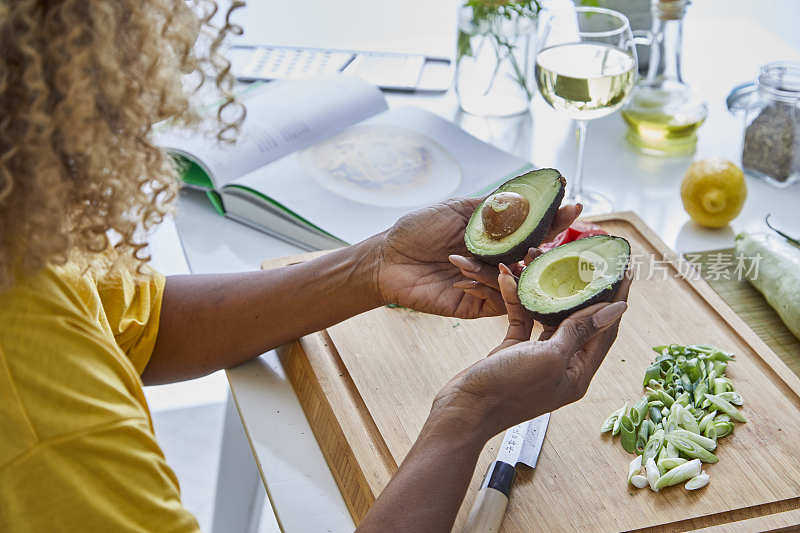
663 113
661 122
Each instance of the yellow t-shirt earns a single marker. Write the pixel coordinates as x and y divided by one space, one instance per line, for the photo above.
77 447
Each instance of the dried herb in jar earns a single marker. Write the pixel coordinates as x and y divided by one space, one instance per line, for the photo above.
772 142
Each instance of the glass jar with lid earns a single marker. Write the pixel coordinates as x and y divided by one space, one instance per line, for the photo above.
770 111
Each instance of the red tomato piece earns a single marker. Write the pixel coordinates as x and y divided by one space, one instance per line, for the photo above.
578 230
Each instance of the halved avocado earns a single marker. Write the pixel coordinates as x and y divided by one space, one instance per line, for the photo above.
515 217
573 276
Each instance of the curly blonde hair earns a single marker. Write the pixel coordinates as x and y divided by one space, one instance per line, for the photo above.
81 84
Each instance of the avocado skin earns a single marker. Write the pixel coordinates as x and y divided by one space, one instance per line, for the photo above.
535 238
554 319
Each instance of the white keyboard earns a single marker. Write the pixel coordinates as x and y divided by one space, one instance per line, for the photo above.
263 63
388 71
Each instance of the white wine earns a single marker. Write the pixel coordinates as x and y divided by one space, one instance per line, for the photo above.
585 80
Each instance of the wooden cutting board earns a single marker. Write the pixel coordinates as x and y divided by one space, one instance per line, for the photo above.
366 386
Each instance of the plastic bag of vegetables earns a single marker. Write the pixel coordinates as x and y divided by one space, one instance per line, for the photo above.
776 275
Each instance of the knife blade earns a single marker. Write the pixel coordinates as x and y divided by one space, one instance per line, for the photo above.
521 444
534 440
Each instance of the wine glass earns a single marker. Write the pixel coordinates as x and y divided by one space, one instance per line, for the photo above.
585 68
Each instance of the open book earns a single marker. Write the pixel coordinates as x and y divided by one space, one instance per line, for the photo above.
324 163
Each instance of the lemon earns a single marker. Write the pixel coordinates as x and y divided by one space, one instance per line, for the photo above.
713 192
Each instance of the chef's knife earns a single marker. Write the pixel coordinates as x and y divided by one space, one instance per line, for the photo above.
521 444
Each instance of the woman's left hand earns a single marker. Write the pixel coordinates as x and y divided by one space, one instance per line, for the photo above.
417 256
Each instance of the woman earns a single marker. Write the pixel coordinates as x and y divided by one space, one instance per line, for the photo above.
83 323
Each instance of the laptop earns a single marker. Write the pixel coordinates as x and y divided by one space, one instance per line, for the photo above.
406 45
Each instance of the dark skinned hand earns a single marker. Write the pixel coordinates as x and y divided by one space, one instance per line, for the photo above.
523 378
419 266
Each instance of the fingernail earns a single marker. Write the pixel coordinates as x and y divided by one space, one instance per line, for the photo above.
504 269
609 314
464 264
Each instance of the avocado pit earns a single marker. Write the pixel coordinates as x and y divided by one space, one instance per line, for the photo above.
515 217
503 214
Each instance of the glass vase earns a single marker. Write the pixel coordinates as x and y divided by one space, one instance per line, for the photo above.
494 65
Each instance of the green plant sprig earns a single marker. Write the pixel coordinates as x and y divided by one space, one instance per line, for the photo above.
484 12
486 9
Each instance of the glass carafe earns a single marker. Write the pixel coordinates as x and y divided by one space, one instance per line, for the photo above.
663 113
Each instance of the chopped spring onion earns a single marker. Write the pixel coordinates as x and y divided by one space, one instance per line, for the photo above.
635 467
707 418
722 385
639 411
683 399
726 407
688 405
655 415
627 432
690 448
652 372
697 482
723 429
645 430
679 474
666 398
687 421
622 411
711 432
700 393
732 396
654 445
706 443
668 463
652 473
608 425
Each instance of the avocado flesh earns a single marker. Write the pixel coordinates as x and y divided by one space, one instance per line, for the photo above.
573 276
544 190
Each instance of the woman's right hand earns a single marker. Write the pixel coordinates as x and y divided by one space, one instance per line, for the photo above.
522 378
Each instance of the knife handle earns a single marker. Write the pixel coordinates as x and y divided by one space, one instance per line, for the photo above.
487 512
489 507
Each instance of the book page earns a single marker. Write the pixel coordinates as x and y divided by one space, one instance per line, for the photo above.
282 117
361 181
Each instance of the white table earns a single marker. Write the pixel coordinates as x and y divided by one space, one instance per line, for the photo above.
725 42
